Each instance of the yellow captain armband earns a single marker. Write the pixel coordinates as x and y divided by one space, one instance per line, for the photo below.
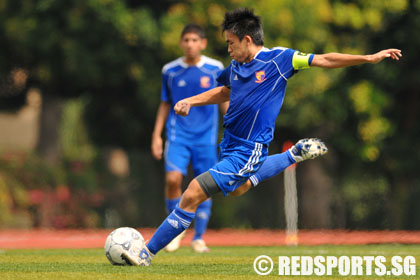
301 60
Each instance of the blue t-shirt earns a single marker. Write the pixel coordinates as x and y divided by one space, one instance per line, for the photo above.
257 91
179 81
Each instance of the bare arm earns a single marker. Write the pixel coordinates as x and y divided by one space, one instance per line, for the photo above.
223 107
157 142
337 60
214 96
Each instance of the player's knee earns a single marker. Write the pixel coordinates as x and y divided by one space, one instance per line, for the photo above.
192 197
173 180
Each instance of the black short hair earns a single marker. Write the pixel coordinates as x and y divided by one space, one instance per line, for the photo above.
193 28
241 22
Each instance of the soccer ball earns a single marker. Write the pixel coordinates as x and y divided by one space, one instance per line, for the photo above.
122 239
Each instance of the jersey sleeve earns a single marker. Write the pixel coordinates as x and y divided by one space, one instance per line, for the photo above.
165 91
223 78
290 61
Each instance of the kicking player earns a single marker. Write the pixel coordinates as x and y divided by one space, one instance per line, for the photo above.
188 139
255 84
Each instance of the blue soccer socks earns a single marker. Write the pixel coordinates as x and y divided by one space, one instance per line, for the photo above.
171 203
272 166
178 221
202 216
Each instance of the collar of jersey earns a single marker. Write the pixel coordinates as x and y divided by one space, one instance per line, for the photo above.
186 65
255 56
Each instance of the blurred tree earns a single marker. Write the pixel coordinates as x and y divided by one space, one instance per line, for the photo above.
387 113
69 48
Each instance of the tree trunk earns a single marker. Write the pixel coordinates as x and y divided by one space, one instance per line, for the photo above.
49 143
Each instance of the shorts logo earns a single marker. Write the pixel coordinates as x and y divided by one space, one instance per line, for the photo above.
260 75
205 82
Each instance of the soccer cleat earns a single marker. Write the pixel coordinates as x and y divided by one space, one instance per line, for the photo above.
199 246
308 149
175 243
138 257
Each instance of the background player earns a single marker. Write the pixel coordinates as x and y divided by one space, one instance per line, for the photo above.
255 84
191 139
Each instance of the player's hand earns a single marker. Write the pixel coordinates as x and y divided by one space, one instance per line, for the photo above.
157 147
182 107
392 53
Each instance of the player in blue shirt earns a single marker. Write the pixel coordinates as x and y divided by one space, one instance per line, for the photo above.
255 84
188 139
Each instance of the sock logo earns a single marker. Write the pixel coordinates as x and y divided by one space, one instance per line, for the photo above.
173 223
202 215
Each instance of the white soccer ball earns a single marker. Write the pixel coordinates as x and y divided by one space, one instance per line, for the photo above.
122 239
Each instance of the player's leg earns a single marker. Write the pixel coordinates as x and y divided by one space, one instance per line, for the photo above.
177 157
172 226
203 158
202 217
173 191
272 166
304 149
239 160
275 164
242 189
179 219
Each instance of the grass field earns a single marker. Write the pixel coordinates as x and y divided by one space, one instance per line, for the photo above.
221 263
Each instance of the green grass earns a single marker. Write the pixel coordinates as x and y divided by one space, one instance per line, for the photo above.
221 263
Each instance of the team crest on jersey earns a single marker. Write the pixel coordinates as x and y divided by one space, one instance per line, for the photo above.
260 75
205 82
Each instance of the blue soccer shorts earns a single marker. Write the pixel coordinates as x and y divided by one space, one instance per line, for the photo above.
179 155
239 160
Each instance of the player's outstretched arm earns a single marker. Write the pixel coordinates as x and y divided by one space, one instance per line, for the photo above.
337 60
214 96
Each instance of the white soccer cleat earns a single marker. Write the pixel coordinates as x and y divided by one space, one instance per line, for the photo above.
199 246
138 257
308 149
175 243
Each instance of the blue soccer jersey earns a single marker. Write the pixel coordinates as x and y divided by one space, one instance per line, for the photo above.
256 96
179 81
257 91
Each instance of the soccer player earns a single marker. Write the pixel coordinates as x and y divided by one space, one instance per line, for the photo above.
255 84
188 139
